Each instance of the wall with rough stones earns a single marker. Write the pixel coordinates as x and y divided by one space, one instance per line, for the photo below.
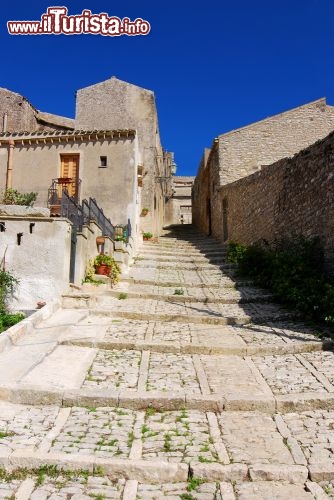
115 104
201 203
20 113
292 196
22 116
242 152
246 150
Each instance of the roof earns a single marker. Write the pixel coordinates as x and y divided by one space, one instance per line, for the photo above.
115 79
182 178
59 121
65 135
321 101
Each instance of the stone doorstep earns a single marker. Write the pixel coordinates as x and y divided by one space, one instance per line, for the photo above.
179 348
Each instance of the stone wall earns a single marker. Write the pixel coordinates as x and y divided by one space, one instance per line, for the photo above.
292 196
246 150
20 113
17 114
242 152
179 206
39 258
201 203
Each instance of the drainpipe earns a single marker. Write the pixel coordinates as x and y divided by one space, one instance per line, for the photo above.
10 164
4 123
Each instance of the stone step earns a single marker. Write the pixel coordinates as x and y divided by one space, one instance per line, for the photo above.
168 294
224 282
170 401
199 260
177 253
281 338
226 347
82 484
192 312
195 266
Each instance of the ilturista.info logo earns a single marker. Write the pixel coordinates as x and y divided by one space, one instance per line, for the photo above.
56 21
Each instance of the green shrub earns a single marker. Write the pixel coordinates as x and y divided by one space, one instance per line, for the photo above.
293 270
8 284
13 197
7 320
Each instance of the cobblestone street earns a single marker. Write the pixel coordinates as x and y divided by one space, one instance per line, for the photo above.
182 382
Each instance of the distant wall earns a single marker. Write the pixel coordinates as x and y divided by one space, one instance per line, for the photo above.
289 197
178 207
246 150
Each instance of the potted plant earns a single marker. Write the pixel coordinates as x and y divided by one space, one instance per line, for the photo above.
144 211
147 236
103 264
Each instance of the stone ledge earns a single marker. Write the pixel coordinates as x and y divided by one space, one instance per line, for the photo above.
27 325
323 471
304 402
219 472
140 470
23 211
193 348
294 474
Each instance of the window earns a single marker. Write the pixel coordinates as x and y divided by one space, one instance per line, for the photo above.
103 162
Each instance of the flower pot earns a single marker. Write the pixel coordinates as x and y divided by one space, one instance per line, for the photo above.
103 269
100 240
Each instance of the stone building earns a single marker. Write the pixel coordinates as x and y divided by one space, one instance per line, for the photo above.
111 151
241 152
270 180
179 206
18 114
115 104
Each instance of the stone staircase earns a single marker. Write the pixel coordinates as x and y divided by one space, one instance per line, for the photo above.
180 382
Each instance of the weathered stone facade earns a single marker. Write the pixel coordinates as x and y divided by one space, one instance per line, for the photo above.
292 196
17 115
179 206
240 153
244 151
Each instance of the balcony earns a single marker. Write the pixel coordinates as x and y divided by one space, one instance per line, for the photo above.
69 185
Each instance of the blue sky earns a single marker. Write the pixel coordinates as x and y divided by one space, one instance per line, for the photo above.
214 65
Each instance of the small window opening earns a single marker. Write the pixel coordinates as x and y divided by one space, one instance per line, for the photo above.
31 227
103 161
19 238
2 227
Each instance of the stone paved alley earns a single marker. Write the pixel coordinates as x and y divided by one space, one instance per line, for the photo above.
179 383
